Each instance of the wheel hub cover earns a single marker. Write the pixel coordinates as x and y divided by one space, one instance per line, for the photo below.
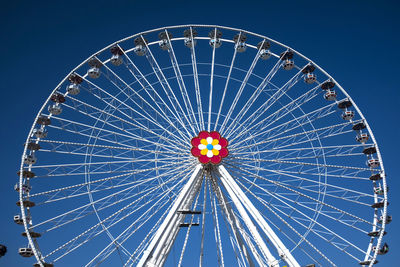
209 147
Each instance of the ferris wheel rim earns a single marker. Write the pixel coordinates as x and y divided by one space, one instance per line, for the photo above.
206 26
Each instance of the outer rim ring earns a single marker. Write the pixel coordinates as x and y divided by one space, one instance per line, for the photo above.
375 220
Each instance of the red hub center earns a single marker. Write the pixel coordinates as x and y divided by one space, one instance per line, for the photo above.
209 147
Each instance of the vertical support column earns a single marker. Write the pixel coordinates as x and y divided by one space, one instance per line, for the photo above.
271 261
161 238
237 228
284 253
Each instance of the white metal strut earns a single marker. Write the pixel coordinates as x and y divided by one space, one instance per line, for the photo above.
236 193
156 251
271 261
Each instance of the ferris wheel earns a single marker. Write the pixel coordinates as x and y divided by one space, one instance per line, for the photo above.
201 145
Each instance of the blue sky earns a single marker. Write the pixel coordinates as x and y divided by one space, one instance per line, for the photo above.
355 41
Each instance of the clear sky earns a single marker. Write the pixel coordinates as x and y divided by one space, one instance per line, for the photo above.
357 42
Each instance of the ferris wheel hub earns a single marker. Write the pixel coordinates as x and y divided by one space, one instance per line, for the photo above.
209 147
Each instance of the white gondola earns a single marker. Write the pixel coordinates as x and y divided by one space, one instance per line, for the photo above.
55 109
310 78
330 95
33 146
379 205
373 163
215 36
25 252
18 219
189 35
367 262
379 190
189 42
288 64
26 203
57 98
94 72
388 219
241 47
116 57
362 138
164 44
43 264
30 159
140 50
32 234
73 89
43 120
215 42
265 54
348 115
40 133
25 188
376 233
383 250
116 60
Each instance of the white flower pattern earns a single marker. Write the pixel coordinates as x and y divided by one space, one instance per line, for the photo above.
209 147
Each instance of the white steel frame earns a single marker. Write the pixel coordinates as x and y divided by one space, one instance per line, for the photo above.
173 116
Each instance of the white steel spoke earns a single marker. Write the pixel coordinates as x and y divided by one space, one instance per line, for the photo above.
128 148
336 189
296 123
283 252
300 204
196 81
323 132
86 108
287 224
237 229
102 154
254 97
129 66
146 114
104 150
82 211
181 84
211 84
281 199
167 227
285 110
335 148
225 90
203 221
88 130
320 235
271 101
125 235
217 234
240 91
271 261
308 164
85 233
161 77
294 230
100 185
189 228
141 247
148 117
307 196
